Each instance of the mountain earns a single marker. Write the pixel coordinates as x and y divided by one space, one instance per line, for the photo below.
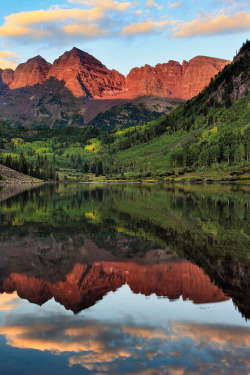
173 80
85 76
209 134
206 138
31 73
40 94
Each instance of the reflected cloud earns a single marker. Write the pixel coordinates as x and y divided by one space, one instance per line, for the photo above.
239 337
9 301
106 346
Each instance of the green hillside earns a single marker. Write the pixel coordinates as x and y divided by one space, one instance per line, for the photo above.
206 138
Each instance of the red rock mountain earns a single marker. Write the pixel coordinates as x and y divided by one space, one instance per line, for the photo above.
174 80
85 76
8 76
31 73
85 284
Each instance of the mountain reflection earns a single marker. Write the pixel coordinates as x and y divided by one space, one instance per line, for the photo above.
97 250
86 284
49 232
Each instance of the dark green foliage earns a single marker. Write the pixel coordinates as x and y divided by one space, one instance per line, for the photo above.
43 169
65 135
124 116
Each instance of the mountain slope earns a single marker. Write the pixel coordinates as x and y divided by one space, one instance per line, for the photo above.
11 176
210 132
135 112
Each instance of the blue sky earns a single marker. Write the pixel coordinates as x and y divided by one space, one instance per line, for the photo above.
122 33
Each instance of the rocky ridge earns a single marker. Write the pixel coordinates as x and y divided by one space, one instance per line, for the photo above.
174 80
40 94
85 76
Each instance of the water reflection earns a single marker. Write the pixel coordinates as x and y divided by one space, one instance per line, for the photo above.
110 253
87 284
129 345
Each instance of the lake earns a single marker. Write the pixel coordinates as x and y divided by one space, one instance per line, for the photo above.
125 279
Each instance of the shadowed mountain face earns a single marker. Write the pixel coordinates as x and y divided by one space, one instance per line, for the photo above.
40 94
77 242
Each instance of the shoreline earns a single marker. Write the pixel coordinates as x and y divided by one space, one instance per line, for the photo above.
193 182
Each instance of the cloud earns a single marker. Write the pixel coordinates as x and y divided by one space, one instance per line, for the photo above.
88 31
211 25
94 20
175 5
32 24
144 27
103 4
97 19
8 59
152 4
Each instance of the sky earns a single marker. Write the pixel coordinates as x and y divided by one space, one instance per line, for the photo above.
122 34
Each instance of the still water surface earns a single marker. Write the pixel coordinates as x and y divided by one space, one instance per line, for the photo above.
125 279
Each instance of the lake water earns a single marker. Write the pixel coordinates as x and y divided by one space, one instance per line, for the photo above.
125 279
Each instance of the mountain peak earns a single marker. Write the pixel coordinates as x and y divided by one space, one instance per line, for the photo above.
174 80
210 60
84 75
38 59
75 54
34 71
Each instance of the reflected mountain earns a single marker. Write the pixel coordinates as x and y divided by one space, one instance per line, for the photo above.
77 242
87 284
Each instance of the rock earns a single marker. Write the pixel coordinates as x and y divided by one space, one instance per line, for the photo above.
31 73
85 76
174 80
7 76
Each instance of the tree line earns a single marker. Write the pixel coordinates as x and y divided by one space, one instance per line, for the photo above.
40 168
